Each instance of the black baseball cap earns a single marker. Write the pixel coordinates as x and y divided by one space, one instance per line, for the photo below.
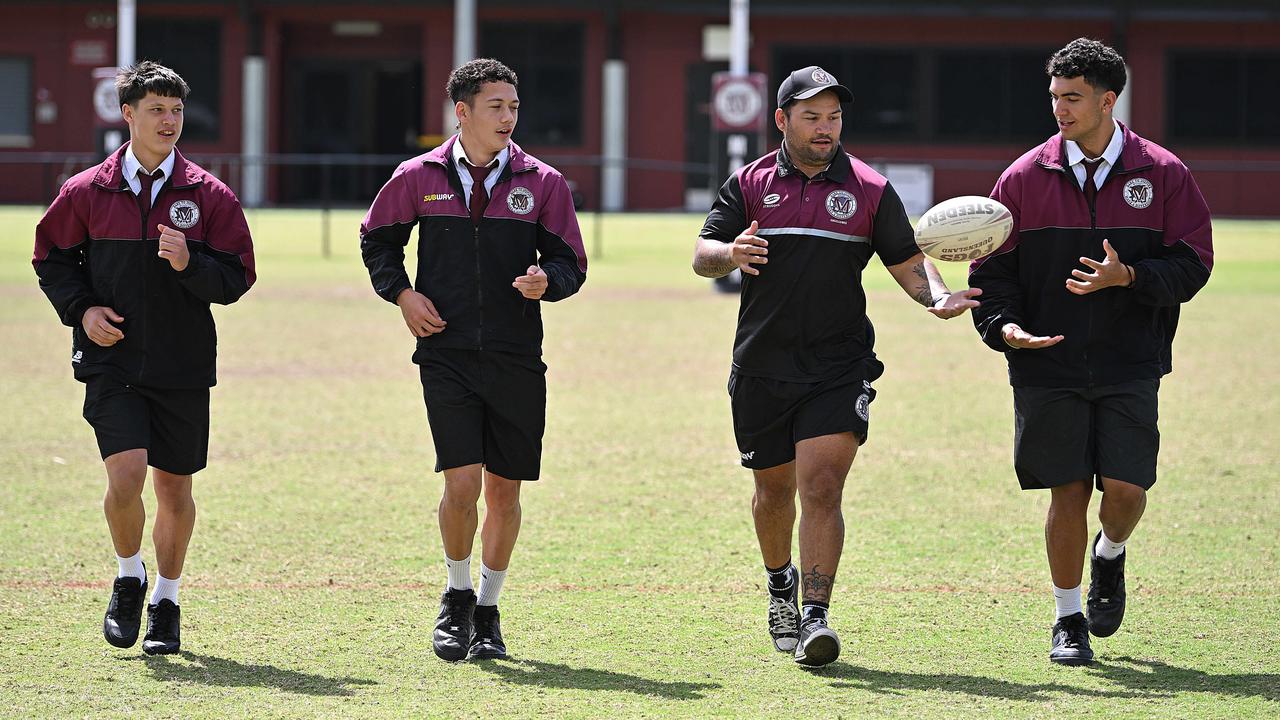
807 82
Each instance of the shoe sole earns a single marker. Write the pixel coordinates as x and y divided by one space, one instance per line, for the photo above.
448 654
822 650
122 643
1071 661
1102 632
160 649
487 655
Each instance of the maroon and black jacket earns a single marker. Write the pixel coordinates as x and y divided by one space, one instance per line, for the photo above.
1151 211
94 247
465 268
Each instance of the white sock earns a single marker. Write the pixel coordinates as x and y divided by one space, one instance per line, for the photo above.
1106 548
490 585
459 573
166 589
132 567
1067 601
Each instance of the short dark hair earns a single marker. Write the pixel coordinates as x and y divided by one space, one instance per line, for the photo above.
467 80
1100 65
134 82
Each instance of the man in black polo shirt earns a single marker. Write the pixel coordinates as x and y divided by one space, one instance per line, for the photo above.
801 223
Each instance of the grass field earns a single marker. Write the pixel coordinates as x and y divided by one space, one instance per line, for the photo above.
636 588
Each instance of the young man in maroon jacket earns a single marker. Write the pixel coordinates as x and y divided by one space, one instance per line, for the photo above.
497 237
1111 235
131 254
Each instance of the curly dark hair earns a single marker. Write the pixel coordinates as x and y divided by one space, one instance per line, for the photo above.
1101 66
467 80
134 82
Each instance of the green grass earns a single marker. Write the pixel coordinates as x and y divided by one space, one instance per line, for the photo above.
636 588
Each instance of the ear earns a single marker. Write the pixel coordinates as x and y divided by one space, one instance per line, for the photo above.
461 111
1109 101
126 112
780 119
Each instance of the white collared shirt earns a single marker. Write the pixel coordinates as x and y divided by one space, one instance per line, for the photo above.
460 159
1075 157
132 167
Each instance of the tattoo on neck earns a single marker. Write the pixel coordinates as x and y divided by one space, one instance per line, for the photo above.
817 586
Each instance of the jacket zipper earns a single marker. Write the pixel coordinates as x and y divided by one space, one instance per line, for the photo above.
142 346
479 288
1093 231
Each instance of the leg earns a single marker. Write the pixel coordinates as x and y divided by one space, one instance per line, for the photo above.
1122 507
126 474
773 508
457 512
1066 532
822 463
175 520
501 520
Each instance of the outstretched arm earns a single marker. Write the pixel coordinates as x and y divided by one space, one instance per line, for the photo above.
921 280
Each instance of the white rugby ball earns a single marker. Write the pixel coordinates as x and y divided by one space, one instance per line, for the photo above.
963 228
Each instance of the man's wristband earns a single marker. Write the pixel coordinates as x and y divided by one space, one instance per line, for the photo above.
1133 276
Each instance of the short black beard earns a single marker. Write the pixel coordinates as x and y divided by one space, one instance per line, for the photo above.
804 156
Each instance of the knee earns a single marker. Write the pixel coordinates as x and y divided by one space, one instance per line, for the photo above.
173 492
775 495
126 474
823 490
461 493
1072 497
502 496
1125 493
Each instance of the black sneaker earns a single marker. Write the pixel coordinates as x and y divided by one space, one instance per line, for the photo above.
124 611
784 615
163 633
818 644
1106 591
1071 641
486 636
452 636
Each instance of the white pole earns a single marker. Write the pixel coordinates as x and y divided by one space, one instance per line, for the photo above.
253 181
126 32
614 185
464 49
739 45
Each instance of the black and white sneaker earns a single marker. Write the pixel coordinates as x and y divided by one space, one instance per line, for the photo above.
123 620
818 645
452 636
1106 591
164 636
784 615
1071 641
486 636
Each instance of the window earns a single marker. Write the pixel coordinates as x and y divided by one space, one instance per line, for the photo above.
927 94
1247 79
194 49
885 85
548 60
15 102
998 96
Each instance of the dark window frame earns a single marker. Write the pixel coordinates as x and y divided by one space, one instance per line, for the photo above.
1177 113
552 114
20 97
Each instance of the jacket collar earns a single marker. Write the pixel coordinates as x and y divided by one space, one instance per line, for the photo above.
518 162
110 175
1133 157
837 171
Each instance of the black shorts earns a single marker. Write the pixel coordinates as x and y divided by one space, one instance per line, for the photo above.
1064 435
171 425
487 407
771 416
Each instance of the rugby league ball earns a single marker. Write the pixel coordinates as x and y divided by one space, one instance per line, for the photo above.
964 228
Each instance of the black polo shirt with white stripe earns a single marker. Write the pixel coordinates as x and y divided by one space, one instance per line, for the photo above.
804 317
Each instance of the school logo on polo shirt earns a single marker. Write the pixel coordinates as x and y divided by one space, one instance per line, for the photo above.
520 201
1138 193
184 214
841 204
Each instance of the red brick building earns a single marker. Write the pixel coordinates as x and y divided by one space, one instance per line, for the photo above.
956 86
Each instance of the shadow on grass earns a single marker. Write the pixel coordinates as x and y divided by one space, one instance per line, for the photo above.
1153 675
554 675
210 670
899 683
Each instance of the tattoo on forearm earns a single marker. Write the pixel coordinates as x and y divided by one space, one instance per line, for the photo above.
818 586
922 292
713 265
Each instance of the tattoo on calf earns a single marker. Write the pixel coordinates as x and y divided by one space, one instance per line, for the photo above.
818 586
922 294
